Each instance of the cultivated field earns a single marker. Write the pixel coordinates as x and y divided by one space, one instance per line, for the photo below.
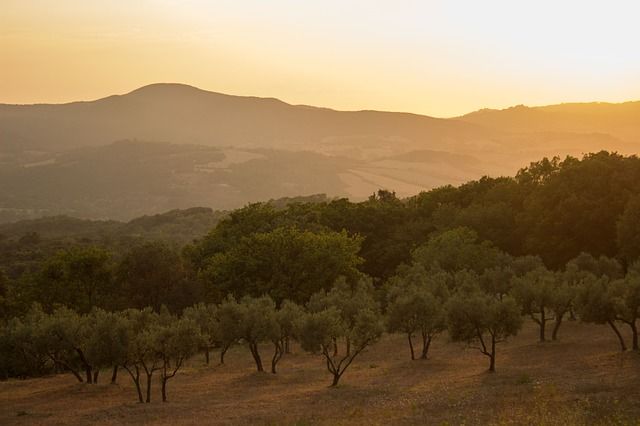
581 379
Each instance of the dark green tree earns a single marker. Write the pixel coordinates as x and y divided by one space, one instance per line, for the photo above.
478 318
286 263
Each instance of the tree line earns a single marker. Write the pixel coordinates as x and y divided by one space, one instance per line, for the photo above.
556 242
480 296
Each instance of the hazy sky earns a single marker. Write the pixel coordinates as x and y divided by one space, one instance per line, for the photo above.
440 58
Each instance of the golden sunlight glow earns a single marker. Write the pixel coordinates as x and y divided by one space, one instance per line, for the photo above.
440 58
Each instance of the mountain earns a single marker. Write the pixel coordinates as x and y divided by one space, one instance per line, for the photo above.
172 146
186 115
620 121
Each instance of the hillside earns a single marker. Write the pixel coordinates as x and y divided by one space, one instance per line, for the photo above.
579 380
619 121
184 114
96 160
129 179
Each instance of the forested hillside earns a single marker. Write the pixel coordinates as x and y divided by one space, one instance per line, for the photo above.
554 209
558 242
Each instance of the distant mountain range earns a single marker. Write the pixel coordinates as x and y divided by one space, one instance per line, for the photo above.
97 160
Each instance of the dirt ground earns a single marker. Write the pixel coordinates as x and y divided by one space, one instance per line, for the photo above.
580 379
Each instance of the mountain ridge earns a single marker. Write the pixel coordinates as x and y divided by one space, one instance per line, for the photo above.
185 86
222 151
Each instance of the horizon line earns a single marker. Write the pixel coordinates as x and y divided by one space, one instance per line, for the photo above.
272 98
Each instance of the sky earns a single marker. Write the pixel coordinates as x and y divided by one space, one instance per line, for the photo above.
440 58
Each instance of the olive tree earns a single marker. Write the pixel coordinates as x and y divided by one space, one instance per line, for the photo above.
107 341
597 303
288 317
141 352
344 314
478 318
626 296
534 293
284 325
206 317
415 305
173 343
23 352
348 299
257 324
65 336
230 315
320 330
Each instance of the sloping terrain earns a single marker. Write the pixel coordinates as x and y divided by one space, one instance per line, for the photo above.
224 151
579 380
184 114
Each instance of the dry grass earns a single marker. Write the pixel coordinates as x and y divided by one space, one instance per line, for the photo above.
580 379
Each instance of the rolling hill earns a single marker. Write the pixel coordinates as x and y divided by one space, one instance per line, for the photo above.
171 146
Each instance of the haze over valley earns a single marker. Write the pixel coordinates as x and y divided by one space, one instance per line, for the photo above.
174 146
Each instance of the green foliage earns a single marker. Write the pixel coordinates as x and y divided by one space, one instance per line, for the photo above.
416 306
387 225
80 278
348 314
154 274
205 316
535 292
258 323
173 343
586 263
230 316
573 206
478 318
286 327
598 301
626 295
628 231
107 339
595 301
459 249
286 263
22 349
288 317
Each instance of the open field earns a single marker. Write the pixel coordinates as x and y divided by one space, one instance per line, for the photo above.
581 379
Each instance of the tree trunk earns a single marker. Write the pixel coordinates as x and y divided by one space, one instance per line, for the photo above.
139 389
256 356
426 342
136 381
623 346
277 354
206 355
95 376
114 375
287 348
223 351
411 347
164 389
336 379
634 331
149 387
335 347
77 375
85 363
348 347
543 323
556 327
492 357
